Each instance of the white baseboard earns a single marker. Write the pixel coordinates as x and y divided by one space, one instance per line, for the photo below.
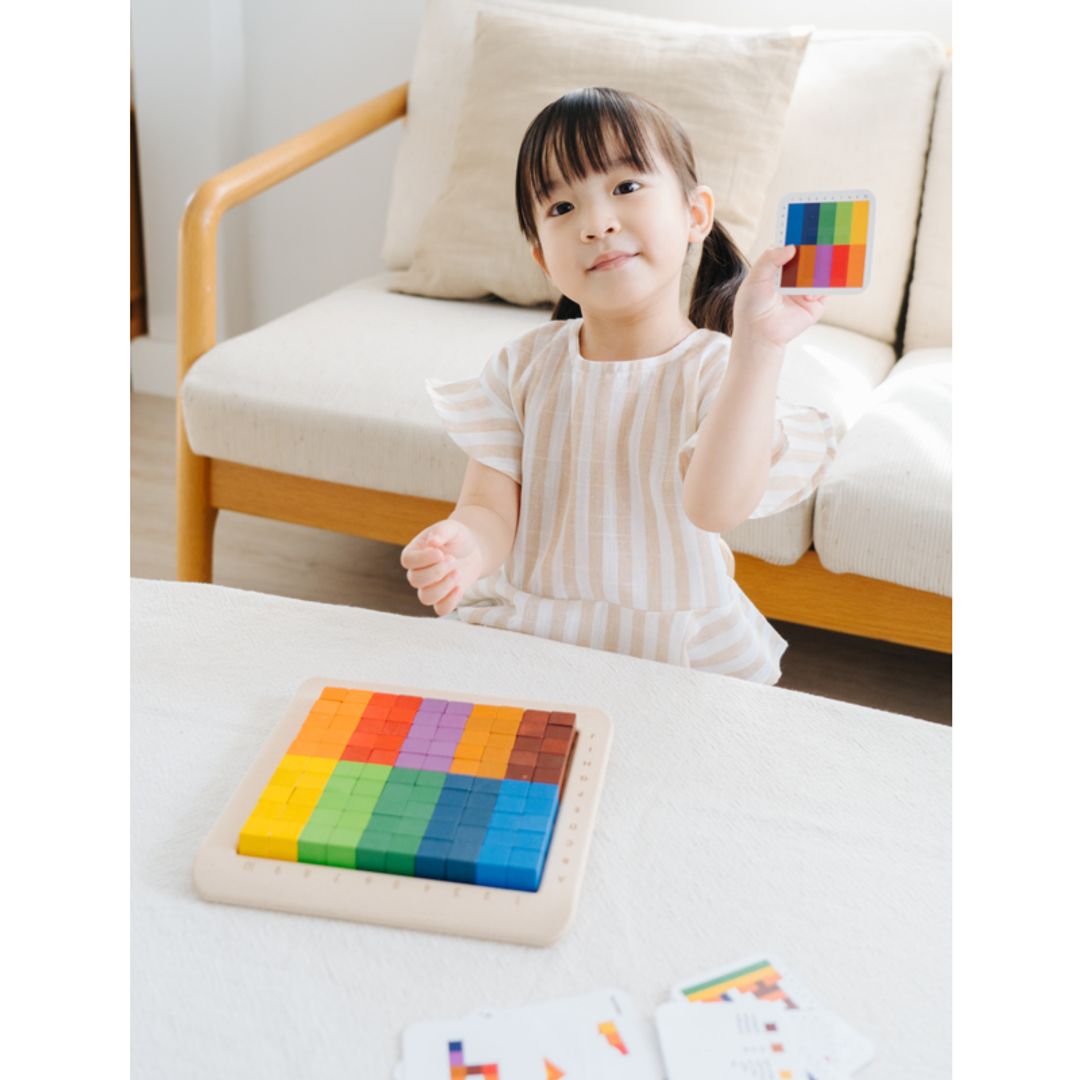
153 367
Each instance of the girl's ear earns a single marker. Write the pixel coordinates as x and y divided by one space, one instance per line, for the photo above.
538 255
702 207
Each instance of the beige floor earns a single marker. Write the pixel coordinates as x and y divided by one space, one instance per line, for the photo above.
290 560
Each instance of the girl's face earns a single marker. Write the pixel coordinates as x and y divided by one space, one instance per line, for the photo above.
641 218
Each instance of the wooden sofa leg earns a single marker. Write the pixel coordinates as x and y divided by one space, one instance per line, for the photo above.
195 517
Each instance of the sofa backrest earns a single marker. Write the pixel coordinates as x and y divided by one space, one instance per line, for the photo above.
929 314
867 96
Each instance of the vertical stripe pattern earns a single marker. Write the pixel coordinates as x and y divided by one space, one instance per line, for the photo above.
604 555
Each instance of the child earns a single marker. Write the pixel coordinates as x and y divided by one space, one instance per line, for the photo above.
610 447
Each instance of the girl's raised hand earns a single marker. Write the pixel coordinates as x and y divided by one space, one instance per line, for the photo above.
766 314
440 564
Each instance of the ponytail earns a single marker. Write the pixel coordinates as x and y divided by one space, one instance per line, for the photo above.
565 308
720 273
712 301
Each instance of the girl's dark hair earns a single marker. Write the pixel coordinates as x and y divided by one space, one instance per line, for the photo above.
586 131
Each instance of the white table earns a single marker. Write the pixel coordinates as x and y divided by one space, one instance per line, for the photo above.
734 818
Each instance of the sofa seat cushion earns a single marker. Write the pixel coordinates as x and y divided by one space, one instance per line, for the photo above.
884 509
335 391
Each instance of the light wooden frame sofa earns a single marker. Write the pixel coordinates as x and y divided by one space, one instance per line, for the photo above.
805 592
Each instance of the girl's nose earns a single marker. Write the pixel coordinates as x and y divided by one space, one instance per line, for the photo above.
603 227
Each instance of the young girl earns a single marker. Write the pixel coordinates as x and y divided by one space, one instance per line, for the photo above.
610 447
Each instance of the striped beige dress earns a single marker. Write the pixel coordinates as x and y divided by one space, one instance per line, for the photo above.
605 555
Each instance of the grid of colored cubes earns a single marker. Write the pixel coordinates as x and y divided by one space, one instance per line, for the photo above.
831 239
455 790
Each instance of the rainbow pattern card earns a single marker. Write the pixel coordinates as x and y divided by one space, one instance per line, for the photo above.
827 1038
833 233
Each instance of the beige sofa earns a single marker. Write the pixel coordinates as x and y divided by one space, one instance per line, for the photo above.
321 417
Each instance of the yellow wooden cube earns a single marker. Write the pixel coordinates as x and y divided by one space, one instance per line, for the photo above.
254 836
270 809
276 792
282 847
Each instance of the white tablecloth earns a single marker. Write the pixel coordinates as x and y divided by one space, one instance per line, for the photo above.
735 818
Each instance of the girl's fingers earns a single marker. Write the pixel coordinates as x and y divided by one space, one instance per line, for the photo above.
433 594
429 575
448 604
764 270
427 547
416 558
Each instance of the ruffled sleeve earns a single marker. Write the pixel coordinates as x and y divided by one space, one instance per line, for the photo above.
804 443
480 415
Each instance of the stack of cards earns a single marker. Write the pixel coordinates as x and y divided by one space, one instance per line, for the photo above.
755 1019
748 1021
600 1036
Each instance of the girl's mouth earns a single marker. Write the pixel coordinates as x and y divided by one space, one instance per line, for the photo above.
613 264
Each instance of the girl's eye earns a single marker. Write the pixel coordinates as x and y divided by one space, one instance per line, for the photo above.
625 183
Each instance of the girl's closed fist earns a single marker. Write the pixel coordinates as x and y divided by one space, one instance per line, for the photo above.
440 564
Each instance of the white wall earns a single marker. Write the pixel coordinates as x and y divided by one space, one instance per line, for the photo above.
216 81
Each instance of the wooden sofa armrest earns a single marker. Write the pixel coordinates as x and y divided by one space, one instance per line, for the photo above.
197 288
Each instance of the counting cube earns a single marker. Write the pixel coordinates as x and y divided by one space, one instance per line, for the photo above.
401 784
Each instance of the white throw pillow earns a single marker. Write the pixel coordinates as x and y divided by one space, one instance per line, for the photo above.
729 89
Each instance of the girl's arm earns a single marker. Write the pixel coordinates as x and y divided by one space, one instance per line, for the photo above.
729 468
489 503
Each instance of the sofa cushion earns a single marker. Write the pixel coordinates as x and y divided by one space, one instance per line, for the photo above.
929 314
729 89
868 94
335 391
884 510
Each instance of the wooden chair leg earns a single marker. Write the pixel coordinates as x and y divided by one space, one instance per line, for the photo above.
195 517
